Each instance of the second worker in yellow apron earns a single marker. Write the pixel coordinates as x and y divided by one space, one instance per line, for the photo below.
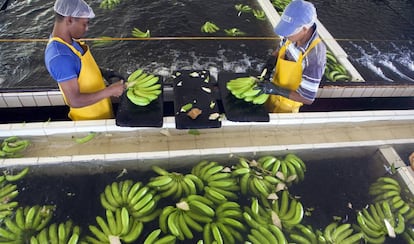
299 62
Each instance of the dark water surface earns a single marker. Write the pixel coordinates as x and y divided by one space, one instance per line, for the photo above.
377 35
170 18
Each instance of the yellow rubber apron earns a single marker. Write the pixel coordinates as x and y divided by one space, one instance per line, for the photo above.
90 80
288 74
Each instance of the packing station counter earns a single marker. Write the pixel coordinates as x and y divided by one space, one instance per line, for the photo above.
202 94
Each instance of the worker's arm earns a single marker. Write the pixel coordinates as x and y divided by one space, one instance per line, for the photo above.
76 99
271 88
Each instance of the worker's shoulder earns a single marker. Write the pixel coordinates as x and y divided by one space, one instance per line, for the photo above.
58 48
57 52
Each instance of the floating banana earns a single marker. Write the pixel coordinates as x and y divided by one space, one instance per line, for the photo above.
259 14
86 138
243 8
109 4
234 32
140 34
209 27
13 147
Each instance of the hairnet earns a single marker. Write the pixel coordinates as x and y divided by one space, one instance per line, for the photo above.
73 8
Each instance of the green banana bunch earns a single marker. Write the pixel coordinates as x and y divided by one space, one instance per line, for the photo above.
58 233
334 71
9 191
259 14
219 186
109 4
140 200
234 32
118 226
217 232
244 88
172 185
203 166
171 221
200 208
292 168
200 205
209 27
341 233
270 164
25 223
188 216
140 34
384 189
195 211
255 180
7 209
229 220
155 237
388 189
12 147
378 221
222 190
256 215
208 170
243 8
143 88
259 186
287 211
305 234
286 170
175 185
266 234
102 41
230 213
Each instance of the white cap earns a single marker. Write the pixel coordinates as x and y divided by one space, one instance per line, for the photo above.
74 8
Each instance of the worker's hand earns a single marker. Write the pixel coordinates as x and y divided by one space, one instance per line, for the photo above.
117 89
268 87
111 76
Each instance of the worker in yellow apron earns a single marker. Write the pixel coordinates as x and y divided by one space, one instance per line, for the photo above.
72 65
299 63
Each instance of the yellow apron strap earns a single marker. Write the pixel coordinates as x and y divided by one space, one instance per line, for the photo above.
279 104
74 50
312 45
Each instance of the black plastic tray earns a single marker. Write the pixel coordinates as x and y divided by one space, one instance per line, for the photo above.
131 115
189 89
238 110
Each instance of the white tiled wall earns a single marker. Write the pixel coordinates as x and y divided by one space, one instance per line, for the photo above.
361 91
54 98
31 99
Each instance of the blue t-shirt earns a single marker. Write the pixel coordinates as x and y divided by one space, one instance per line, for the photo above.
61 62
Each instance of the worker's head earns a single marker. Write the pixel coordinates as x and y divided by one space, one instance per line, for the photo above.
297 15
73 8
74 15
